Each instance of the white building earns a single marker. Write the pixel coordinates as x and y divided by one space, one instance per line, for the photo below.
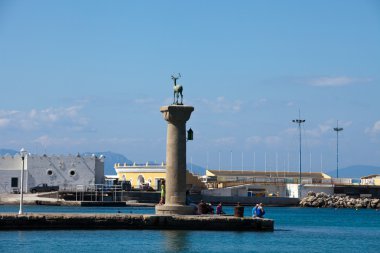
66 171
265 183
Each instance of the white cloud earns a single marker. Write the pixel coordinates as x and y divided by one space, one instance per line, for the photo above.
63 117
47 141
4 122
225 141
220 104
290 104
272 140
374 130
267 140
260 102
253 140
337 81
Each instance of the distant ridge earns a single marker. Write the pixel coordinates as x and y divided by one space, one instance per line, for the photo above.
111 159
355 171
196 169
4 151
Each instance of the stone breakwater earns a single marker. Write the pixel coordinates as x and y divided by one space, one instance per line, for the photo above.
132 221
324 200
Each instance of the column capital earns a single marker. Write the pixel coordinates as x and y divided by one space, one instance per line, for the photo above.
176 113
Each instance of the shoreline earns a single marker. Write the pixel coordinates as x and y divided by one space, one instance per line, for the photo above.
323 200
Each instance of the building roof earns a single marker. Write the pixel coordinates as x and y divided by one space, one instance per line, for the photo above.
282 174
140 168
371 176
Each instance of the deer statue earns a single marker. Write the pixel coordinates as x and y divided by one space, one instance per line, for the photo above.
177 90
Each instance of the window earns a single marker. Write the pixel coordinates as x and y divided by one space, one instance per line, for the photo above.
14 182
72 173
49 172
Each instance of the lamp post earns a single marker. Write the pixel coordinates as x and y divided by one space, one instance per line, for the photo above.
299 121
23 154
337 129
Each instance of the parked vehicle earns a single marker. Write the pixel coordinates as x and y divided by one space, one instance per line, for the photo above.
44 188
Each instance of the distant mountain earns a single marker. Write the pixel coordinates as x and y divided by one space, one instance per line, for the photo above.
355 171
111 159
196 169
4 151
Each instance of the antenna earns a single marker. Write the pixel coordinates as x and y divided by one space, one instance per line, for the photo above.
242 161
219 160
310 163
265 161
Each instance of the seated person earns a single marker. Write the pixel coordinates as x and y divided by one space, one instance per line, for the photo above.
260 211
203 208
219 209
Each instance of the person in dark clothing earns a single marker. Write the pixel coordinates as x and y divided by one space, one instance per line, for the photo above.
203 208
219 209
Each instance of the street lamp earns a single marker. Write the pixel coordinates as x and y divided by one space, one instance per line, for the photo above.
299 121
337 129
23 154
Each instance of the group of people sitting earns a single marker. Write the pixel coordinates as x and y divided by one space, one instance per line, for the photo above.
258 211
207 208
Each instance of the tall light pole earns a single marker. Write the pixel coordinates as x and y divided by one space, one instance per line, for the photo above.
23 154
231 160
299 121
337 129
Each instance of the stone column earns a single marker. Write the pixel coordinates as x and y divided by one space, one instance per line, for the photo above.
175 196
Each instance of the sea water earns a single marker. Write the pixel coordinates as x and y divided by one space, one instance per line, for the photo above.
296 230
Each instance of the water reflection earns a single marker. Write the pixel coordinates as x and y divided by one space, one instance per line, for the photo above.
175 240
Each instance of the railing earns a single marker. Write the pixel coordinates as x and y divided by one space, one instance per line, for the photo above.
274 180
96 192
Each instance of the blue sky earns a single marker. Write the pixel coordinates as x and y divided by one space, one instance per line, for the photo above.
79 76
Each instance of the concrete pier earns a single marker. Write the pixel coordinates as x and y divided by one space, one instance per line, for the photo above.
52 221
175 197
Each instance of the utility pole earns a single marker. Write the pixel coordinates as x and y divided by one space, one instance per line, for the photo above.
337 129
299 121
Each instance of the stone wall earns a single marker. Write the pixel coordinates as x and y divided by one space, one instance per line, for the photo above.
132 221
336 201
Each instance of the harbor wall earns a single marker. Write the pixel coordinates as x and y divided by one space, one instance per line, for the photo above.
130 221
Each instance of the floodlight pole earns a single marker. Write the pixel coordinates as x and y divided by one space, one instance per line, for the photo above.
299 121
337 129
23 154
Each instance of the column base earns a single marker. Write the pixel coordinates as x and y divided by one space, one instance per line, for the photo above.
175 209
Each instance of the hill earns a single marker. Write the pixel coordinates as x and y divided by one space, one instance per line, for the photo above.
111 159
355 171
196 169
4 151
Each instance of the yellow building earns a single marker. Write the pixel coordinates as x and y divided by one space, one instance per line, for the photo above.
143 175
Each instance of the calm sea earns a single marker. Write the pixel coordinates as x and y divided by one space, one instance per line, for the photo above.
296 230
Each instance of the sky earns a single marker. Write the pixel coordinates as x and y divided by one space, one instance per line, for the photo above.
86 76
